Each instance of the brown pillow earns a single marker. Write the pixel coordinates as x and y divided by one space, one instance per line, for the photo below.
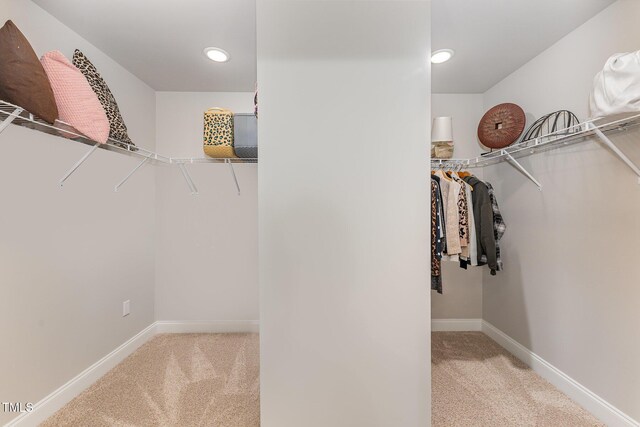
23 81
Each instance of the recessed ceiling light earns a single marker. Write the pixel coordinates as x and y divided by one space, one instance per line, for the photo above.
441 55
216 54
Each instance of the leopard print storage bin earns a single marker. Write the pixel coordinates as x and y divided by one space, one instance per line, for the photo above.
218 133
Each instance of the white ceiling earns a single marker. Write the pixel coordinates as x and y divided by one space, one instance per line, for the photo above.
493 38
161 42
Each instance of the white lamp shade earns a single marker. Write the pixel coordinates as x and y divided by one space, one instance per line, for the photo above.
442 130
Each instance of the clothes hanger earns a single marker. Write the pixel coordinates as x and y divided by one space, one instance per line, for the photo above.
463 174
441 173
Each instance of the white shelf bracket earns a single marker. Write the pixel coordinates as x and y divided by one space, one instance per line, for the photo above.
126 178
615 149
187 178
78 163
233 173
10 118
521 168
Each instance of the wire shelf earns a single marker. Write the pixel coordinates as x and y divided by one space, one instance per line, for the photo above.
561 138
61 129
13 114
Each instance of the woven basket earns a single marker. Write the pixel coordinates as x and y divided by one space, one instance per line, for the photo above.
441 150
218 133
501 126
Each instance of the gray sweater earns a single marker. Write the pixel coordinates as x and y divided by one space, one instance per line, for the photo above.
483 215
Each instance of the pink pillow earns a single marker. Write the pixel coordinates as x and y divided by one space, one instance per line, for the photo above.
77 103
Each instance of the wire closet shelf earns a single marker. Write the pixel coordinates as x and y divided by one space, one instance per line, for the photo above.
13 114
561 138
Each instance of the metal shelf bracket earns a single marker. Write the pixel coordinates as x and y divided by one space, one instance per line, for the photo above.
126 178
521 168
187 178
614 148
78 163
233 174
11 117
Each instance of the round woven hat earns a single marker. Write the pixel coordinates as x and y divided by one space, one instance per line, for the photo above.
501 126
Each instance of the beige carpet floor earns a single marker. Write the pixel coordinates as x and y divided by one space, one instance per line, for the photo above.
213 380
478 383
175 380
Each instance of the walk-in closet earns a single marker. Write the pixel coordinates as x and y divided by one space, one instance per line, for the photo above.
310 213
548 339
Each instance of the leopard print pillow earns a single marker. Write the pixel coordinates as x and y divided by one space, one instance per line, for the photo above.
118 130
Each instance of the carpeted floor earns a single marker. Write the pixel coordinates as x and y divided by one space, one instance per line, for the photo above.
478 383
175 380
213 380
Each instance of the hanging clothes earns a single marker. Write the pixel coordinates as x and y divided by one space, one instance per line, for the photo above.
499 226
466 224
473 244
483 215
441 234
463 211
450 193
436 236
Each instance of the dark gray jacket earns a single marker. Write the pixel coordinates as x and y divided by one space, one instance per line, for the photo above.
483 216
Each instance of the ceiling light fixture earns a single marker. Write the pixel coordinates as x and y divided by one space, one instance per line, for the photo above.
216 54
441 55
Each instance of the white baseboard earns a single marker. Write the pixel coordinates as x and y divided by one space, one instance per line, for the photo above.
60 397
456 325
593 403
63 395
215 326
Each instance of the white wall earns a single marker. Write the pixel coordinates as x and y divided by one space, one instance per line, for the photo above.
69 257
207 253
343 213
570 290
461 296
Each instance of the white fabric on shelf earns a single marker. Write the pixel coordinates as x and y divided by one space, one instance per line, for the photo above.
616 89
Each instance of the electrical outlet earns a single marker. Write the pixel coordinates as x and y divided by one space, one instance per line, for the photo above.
126 308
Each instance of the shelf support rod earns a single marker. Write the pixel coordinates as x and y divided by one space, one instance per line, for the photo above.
78 163
521 168
233 173
126 178
10 118
187 178
614 148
